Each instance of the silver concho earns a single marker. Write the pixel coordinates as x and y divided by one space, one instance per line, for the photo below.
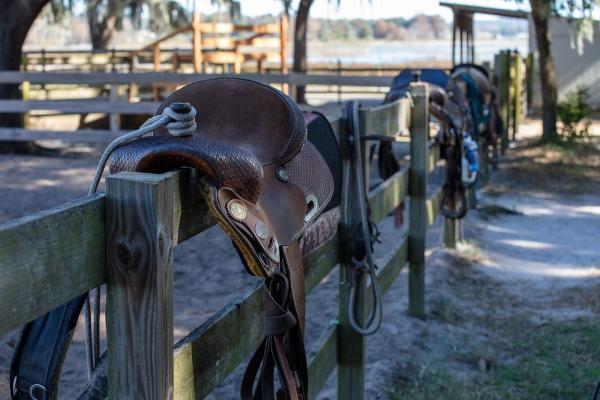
237 210
261 231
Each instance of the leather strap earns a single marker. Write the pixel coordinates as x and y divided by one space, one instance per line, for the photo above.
283 345
453 204
41 352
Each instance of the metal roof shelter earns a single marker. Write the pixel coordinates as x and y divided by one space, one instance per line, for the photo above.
462 27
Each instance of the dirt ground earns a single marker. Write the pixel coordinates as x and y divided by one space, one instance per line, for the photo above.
499 306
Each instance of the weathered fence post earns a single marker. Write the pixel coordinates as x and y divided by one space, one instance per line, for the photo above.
472 197
452 232
501 70
417 188
518 95
114 119
26 95
351 345
139 307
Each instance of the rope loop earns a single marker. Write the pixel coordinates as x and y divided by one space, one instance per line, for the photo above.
183 117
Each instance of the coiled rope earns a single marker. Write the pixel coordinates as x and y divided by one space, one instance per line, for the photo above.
180 120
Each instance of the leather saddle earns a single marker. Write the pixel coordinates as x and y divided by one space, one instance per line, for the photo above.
265 183
449 106
474 81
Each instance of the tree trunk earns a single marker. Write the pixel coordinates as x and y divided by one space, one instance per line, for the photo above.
16 18
101 26
300 30
541 12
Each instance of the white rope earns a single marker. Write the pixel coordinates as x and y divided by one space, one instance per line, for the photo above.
180 120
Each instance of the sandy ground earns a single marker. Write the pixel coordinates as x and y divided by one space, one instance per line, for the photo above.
533 258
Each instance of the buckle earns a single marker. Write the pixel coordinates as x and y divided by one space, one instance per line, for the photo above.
37 389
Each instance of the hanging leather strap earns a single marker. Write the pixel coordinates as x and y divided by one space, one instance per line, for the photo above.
453 204
42 348
281 349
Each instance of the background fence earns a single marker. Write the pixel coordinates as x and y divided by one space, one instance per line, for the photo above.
68 250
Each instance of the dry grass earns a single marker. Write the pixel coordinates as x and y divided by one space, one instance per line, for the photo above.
569 168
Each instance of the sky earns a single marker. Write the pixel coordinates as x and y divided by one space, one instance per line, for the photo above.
372 9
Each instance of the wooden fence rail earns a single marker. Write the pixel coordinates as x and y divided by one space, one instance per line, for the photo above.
115 106
51 257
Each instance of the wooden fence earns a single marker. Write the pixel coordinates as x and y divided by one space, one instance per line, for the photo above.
511 88
118 103
53 256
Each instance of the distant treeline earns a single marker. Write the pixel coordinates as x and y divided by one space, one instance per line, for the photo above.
417 27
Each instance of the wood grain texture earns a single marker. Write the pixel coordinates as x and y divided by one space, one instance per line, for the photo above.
79 136
49 258
213 350
433 156
147 78
64 248
432 205
139 302
394 264
452 228
387 196
417 186
386 120
322 361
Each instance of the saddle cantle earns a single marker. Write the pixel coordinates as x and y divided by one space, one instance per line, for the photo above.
265 183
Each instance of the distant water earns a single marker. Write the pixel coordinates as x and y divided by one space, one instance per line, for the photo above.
386 52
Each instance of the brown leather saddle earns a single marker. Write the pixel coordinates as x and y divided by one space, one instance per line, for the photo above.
450 108
265 183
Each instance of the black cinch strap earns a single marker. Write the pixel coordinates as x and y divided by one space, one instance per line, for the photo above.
38 359
453 204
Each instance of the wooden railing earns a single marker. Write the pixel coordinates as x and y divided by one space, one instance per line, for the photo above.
64 252
120 85
509 77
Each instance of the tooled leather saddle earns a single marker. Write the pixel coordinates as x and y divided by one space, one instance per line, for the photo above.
265 183
450 108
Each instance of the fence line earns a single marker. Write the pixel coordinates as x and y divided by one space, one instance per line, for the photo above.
114 107
71 241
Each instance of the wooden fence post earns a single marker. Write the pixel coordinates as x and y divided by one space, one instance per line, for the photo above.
518 95
503 91
452 232
114 122
417 191
351 345
26 95
139 307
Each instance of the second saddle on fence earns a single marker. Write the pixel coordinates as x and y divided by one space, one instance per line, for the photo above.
265 183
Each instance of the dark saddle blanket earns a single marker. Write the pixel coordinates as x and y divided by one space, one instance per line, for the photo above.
266 182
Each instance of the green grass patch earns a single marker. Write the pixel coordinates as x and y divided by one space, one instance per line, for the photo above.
558 360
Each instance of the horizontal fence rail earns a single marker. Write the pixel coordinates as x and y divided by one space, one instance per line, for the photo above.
115 106
63 252
148 78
